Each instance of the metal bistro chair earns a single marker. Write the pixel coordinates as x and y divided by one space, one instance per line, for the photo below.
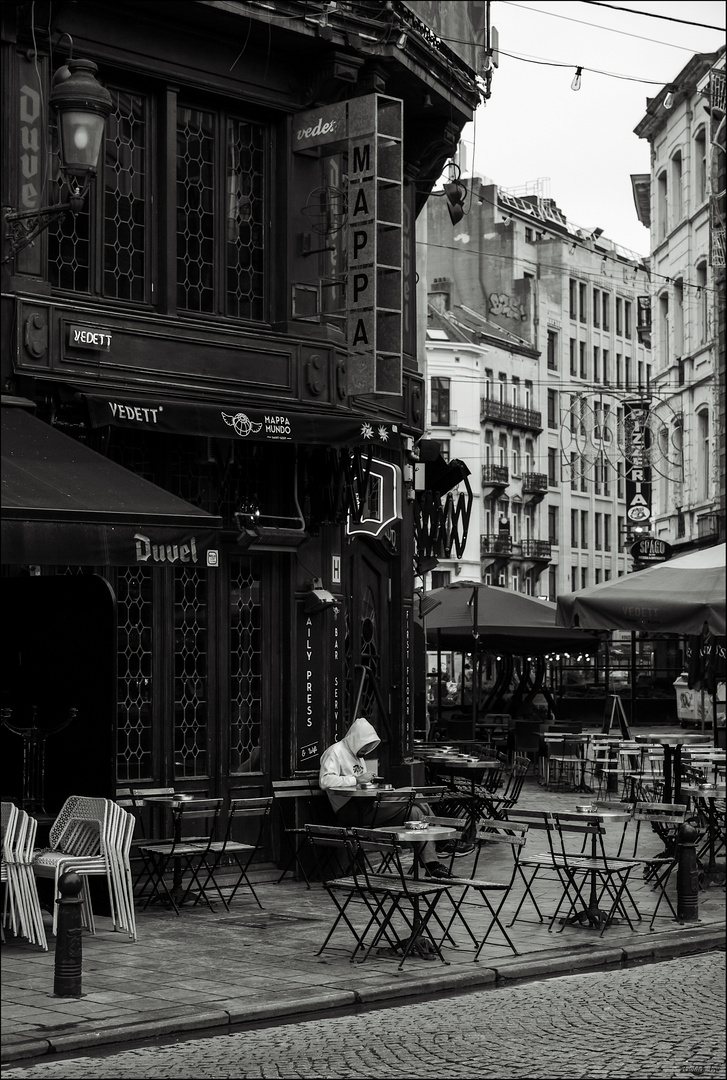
489 831
254 813
588 879
346 889
297 806
664 820
497 804
185 853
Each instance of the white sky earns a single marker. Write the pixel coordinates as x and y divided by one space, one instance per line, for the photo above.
535 126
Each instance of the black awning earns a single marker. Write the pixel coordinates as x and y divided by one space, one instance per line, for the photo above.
63 503
234 419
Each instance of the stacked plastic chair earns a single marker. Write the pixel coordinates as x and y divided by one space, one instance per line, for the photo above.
92 837
22 908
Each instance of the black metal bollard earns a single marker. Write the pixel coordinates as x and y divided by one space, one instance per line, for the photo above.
69 948
687 874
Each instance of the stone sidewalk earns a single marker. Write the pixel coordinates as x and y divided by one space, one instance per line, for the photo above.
211 971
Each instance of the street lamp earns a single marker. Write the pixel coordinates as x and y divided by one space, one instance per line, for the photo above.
83 106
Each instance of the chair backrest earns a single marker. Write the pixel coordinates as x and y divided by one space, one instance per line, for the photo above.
495 831
295 800
79 807
330 842
432 792
195 815
387 846
567 827
665 813
253 810
10 814
384 800
540 820
515 781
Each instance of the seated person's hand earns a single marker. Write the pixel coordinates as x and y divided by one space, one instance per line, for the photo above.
365 778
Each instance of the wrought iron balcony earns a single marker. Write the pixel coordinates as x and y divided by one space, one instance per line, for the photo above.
511 415
495 544
535 483
495 476
540 550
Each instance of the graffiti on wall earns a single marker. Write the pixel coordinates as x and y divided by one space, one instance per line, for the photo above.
507 306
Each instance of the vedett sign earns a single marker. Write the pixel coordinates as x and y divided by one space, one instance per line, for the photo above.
318 127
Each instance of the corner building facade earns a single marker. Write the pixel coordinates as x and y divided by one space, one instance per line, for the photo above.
230 318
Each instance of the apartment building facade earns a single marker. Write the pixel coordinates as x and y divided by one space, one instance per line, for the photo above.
682 202
562 373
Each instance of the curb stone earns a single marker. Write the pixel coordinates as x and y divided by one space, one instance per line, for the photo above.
300 1003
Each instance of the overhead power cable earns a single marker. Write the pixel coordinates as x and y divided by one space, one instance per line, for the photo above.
654 15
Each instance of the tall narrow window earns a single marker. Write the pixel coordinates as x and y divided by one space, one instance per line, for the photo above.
574 528
596 363
583 301
552 467
584 528
703 452
596 307
606 308
628 307
619 316
700 167
664 341
583 359
553 524
676 187
440 401
606 367
662 205
702 304
552 408
678 318
552 350
573 298
573 344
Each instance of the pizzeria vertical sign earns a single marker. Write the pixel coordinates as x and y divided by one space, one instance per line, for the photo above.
371 130
637 466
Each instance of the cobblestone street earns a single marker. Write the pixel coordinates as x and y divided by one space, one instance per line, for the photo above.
653 1022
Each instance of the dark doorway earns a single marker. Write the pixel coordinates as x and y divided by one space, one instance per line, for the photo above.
60 656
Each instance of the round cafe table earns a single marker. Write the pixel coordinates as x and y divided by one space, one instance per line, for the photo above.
672 743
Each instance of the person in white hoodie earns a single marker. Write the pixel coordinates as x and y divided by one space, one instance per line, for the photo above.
343 769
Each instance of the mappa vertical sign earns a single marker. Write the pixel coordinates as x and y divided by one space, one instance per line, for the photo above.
637 454
373 129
